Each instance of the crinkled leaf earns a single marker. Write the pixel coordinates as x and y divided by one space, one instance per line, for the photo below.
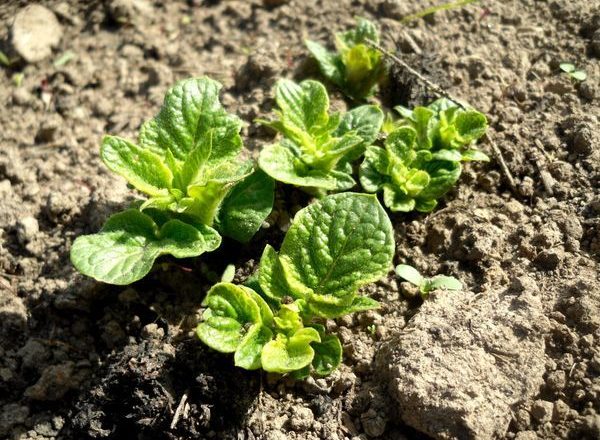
246 207
443 177
304 105
470 125
230 308
365 121
248 352
287 354
271 277
416 182
279 162
142 168
350 304
328 354
125 248
288 319
424 205
190 114
400 142
410 274
220 333
396 200
338 244
373 170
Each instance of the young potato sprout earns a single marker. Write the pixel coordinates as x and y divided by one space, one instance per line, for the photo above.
356 68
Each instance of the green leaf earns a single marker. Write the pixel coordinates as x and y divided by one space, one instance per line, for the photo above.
190 115
449 155
442 282
470 125
475 155
401 143
321 305
248 352
396 200
330 64
365 121
338 244
328 354
271 278
142 168
230 308
567 67
409 274
280 162
579 75
246 207
373 170
304 105
220 333
125 248
287 354
443 177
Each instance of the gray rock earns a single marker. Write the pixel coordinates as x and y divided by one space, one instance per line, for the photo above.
35 31
27 228
54 383
464 362
301 418
541 411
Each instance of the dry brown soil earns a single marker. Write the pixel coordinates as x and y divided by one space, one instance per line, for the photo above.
83 360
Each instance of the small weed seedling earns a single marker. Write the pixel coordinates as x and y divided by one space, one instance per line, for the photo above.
427 285
356 68
422 156
317 147
573 72
334 246
186 162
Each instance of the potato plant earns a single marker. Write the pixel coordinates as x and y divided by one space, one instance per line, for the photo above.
356 68
422 155
334 247
187 164
317 148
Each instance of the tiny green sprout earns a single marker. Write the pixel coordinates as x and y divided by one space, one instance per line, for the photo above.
573 72
17 79
65 58
356 68
334 247
372 329
424 284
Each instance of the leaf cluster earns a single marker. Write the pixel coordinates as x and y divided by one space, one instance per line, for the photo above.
355 68
422 155
334 247
317 147
186 162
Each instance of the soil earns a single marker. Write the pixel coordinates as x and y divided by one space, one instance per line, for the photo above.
79 359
